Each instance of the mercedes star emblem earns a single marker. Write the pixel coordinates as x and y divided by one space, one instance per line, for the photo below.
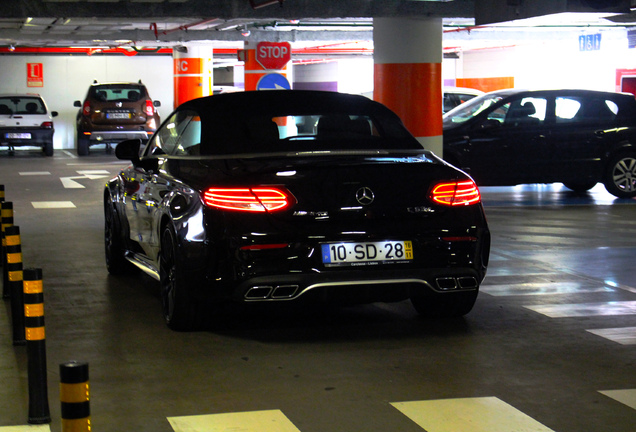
365 196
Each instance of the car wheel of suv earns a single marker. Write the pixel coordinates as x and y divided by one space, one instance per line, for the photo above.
445 305
579 187
116 263
48 148
179 310
82 145
620 178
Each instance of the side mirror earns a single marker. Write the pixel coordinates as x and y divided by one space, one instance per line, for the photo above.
157 103
77 104
128 150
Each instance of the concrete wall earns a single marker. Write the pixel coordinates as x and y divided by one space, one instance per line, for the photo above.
67 78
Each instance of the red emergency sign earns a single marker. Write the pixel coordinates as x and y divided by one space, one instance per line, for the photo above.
273 55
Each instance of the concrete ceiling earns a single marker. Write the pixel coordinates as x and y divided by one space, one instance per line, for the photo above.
225 23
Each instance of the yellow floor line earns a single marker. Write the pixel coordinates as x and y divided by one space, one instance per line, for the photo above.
486 414
251 421
627 397
26 428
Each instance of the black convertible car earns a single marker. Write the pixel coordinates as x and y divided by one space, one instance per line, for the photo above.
294 195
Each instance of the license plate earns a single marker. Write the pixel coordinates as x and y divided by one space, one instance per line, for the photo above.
18 136
118 115
367 253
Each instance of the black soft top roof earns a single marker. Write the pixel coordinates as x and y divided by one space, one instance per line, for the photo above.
281 102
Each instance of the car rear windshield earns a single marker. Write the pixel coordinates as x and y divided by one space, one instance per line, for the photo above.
118 92
188 134
21 105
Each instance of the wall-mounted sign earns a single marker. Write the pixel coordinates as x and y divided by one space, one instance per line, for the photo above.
590 42
35 75
273 55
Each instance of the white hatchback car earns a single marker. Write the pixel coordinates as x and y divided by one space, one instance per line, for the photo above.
455 96
25 120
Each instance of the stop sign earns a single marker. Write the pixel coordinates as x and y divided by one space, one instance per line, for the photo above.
273 55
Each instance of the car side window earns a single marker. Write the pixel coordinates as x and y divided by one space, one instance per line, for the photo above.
166 140
526 112
585 110
189 140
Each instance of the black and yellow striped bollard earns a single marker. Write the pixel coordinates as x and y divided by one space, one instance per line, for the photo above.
75 397
36 347
13 252
6 220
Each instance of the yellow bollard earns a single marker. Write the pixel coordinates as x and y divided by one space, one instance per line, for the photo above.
74 396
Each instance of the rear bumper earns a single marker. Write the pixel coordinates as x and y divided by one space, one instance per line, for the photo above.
103 137
38 137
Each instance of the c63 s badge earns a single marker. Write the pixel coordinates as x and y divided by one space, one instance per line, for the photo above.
421 209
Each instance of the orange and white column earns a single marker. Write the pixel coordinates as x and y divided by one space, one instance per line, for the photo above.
192 73
408 74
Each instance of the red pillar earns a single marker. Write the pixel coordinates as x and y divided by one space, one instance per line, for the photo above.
408 74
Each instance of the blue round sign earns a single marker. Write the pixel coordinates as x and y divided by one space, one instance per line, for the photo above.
273 81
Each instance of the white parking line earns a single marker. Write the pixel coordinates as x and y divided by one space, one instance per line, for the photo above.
585 309
52 204
251 421
627 396
622 335
484 414
34 173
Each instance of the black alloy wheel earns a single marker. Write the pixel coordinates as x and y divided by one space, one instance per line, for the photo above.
620 178
444 305
116 262
179 310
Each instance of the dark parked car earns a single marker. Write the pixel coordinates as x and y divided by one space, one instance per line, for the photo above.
288 195
577 137
25 120
114 112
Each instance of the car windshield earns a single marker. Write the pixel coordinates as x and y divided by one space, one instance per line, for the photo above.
21 105
470 109
118 92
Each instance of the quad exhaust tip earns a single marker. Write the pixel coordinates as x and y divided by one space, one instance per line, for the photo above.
278 292
455 283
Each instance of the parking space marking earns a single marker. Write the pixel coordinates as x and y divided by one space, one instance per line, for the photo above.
251 421
541 288
585 309
70 183
26 428
626 397
34 173
52 204
483 414
621 335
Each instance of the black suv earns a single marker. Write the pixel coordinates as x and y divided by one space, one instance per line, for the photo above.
113 112
576 137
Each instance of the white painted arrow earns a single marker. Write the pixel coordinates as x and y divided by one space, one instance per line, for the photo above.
70 183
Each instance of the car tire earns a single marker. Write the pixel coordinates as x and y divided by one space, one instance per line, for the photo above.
48 149
82 145
620 175
579 187
179 309
116 263
444 305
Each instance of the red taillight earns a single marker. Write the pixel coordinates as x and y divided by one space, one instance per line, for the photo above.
47 125
256 199
86 109
150 110
456 193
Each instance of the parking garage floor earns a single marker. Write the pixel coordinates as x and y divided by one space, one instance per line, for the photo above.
550 345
